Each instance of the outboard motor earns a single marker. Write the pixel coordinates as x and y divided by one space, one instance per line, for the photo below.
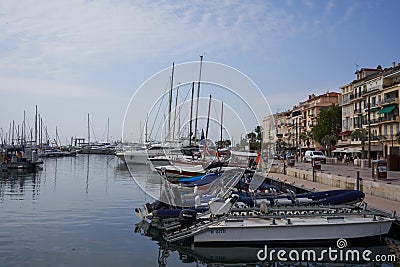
34 156
187 217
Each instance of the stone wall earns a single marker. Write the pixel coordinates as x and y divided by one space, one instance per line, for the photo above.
378 189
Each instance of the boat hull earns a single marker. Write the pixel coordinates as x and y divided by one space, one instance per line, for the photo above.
299 231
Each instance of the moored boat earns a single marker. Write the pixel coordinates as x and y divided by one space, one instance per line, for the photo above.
305 225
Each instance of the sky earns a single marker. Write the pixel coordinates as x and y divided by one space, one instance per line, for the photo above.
74 57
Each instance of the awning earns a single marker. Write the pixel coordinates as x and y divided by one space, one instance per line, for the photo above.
339 150
387 109
374 109
354 150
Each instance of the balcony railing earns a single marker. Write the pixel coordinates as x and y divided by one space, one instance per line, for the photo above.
390 84
387 119
389 100
357 111
373 88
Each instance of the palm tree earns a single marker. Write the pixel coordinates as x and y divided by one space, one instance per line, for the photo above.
306 137
360 135
329 141
280 145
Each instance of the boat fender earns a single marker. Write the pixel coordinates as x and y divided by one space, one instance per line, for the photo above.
197 201
263 207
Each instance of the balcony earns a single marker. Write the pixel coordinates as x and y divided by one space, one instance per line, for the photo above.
374 88
374 104
390 100
390 85
357 111
388 119
374 121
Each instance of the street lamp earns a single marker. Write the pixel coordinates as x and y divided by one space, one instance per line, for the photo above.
369 132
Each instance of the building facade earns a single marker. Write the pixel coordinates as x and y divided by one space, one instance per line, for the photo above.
371 102
293 127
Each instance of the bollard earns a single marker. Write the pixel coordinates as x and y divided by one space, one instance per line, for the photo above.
358 181
284 168
313 174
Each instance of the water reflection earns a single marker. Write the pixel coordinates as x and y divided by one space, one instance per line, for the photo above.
23 184
87 175
16 184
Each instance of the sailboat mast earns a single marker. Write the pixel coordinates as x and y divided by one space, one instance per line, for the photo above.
145 128
208 125
13 130
108 128
88 128
176 106
40 131
57 137
198 98
222 114
36 126
170 100
191 116
24 131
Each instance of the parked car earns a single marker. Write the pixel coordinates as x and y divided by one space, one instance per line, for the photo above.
314 155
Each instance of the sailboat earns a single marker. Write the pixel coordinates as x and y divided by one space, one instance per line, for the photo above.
95 147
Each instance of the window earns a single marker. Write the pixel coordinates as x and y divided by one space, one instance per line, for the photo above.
385 129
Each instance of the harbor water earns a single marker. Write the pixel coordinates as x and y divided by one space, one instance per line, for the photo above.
79 211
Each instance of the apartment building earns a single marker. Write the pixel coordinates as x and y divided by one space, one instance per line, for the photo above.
371 102
290 124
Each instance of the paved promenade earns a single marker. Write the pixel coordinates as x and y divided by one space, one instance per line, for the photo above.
345 171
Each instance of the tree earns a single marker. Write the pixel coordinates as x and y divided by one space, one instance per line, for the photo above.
225 143
306 137
329 141
255 139
398 137
280 145
360 135
329 122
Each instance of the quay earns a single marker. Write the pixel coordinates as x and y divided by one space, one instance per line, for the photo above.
380 194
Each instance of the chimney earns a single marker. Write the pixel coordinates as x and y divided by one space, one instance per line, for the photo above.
393 64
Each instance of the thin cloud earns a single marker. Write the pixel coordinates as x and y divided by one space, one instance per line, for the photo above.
96 32
329 6
45 88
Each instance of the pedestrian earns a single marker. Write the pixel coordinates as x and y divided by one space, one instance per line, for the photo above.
345 159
